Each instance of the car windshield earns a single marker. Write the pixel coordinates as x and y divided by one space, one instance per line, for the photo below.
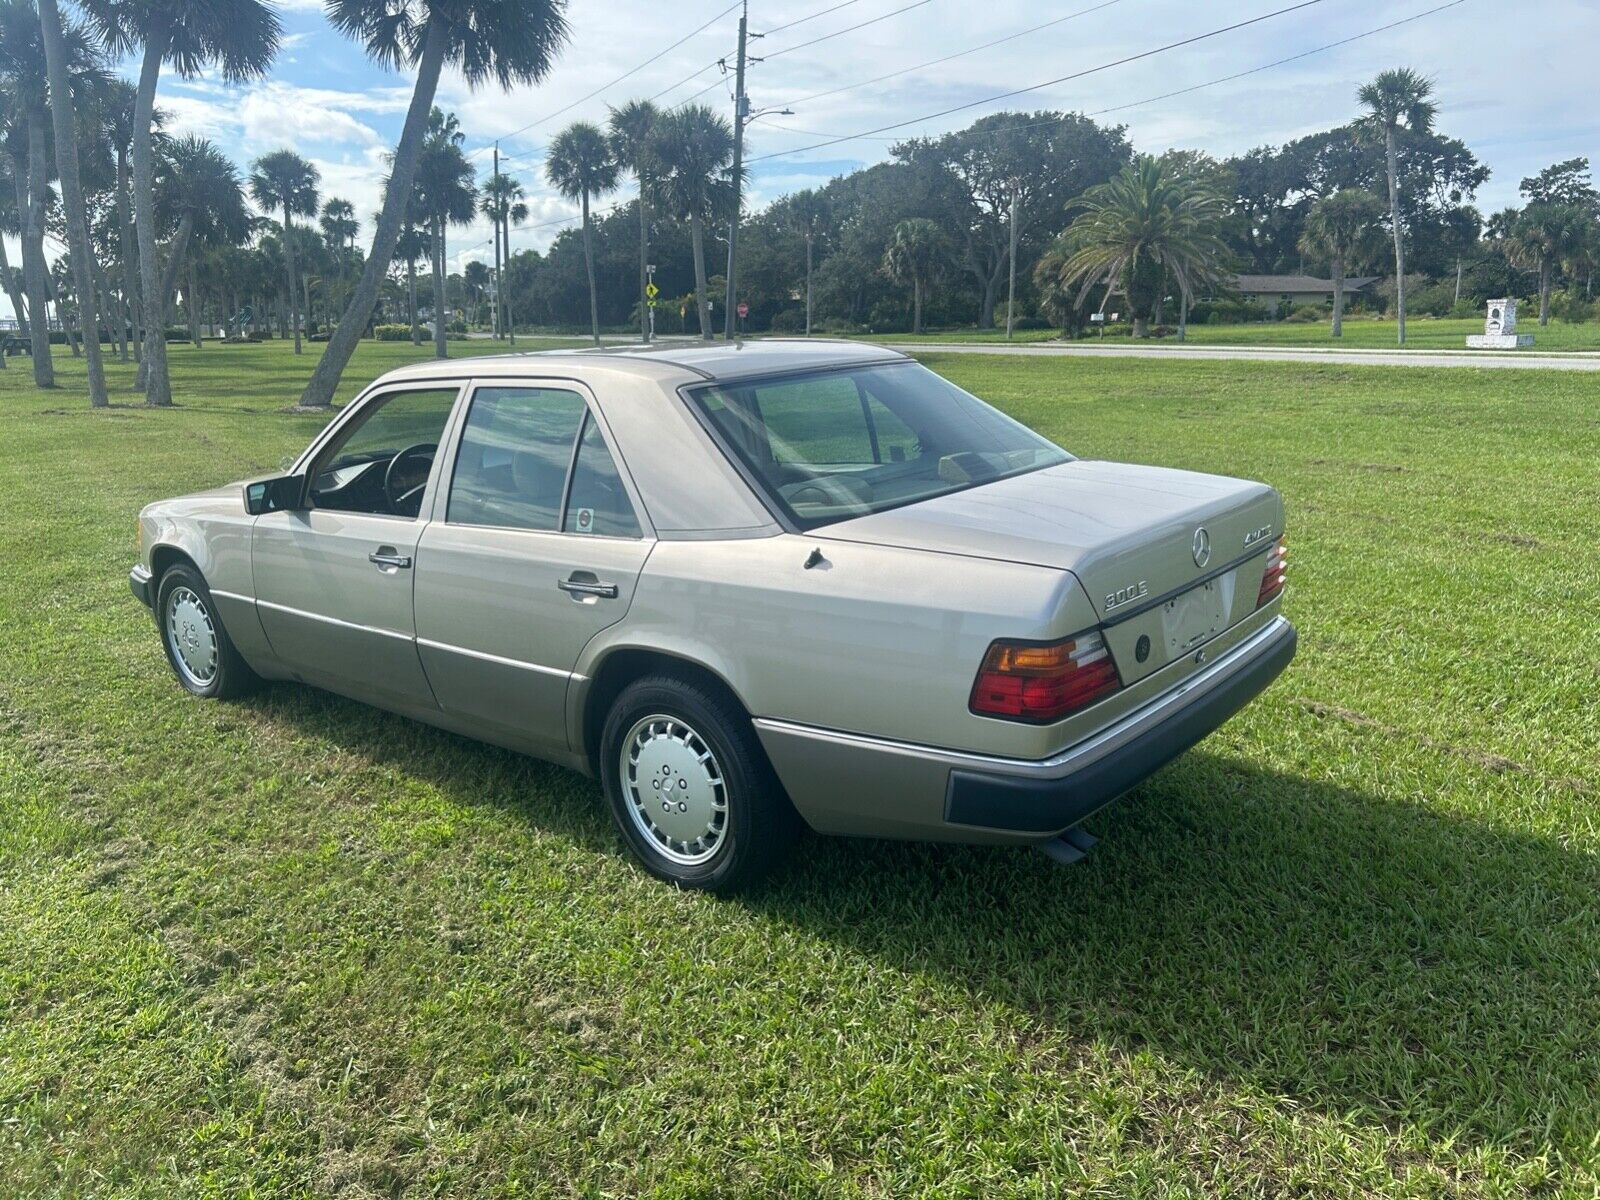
837 444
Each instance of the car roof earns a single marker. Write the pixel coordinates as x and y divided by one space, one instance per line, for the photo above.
719 362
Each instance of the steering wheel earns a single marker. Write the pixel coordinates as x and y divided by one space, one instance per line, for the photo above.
394 490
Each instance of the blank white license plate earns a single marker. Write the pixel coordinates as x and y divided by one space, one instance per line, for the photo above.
1193 617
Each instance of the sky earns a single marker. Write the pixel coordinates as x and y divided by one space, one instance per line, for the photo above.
1493 65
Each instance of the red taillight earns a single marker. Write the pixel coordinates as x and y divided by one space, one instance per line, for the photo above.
1272 580
1029 682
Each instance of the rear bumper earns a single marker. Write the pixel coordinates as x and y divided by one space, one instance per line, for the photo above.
846 784
142 584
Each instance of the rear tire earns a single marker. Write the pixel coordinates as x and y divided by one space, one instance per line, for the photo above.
689 787
199 650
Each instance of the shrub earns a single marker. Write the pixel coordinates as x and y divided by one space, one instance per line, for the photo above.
1227 312
1307 314
789 320
393 333
1570 306
456 327
837 325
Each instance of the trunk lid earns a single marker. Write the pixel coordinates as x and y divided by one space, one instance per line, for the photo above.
1128 533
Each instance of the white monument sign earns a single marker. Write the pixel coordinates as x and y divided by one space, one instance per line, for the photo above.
1500 330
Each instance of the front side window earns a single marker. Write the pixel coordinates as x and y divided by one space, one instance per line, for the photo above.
838 444
379 463
519 447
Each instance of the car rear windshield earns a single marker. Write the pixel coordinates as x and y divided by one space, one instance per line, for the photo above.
843 443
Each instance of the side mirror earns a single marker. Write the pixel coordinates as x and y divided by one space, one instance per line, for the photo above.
284 493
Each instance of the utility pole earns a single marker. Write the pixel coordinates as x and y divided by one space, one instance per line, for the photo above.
741 107
495 218
1011 294
650 285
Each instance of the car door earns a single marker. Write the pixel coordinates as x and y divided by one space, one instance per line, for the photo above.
334 579
536 545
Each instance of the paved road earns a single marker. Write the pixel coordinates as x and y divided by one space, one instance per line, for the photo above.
1385 358
1577 361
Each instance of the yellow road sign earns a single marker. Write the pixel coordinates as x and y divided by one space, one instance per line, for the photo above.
651 290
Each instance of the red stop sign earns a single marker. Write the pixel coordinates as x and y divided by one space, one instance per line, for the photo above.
744 309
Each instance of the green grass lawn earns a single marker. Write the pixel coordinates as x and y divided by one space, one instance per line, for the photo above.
1422 333
1350 946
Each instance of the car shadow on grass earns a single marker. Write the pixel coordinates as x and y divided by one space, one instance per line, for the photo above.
1359 954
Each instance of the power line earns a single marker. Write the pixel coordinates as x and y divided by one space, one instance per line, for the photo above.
1189 41
824 12
839 33
692 75
934 62
625 75
1100 112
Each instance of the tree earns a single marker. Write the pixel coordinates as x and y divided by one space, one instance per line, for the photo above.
199 197
65 46
808 212
1397 100
9 226
238 36
339 227
913 258
444 195
694 147
284 182
580 165
633 146
1143 226
25 85
510 42
412 244
1042 160
1563 183
118 102
1342 229
1542 237
503 203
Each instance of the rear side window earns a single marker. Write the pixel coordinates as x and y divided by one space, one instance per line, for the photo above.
515 451
526 450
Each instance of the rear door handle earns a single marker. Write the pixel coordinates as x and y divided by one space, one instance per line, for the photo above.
385 557
588 587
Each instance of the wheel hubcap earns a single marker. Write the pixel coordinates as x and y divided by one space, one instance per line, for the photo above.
192 636
674 788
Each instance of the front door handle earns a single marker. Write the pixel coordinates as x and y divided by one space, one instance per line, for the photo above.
578 586
385 558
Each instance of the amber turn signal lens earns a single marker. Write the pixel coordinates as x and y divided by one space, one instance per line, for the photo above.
1044 683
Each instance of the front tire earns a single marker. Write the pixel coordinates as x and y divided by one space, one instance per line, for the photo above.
689 788
201 653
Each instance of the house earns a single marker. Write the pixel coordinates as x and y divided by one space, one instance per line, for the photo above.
1288 291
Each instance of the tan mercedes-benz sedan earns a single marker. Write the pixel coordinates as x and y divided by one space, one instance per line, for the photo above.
749 586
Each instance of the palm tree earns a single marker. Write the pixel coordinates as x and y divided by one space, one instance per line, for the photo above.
411 245
198 195
118 101
1342 228
10 226
444 195
1146 224
913 257
633 146
283 181
694 147
1543 236
503 204
67 46
26 78
1395 100
511 43
339 226
808 211
238 36
579 165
